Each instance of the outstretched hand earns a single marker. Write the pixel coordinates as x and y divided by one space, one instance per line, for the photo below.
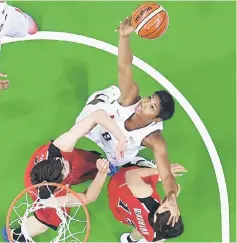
125 27
4 84
170 204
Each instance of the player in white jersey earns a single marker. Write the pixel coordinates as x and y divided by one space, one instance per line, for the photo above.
141 119
16 24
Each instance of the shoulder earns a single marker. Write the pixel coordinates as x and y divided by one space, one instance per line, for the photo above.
128 102
54 151
130 99
154 140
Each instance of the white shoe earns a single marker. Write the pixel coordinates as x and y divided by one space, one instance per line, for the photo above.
108 95
124 239
139 161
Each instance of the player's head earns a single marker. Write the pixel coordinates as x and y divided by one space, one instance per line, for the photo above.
50 170
164 231
158 107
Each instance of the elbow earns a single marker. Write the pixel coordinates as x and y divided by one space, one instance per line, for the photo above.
123 66
98 114
90 198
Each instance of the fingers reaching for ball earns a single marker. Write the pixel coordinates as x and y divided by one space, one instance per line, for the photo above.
125 27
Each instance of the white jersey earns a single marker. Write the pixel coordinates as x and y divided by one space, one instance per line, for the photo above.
13 22
107 142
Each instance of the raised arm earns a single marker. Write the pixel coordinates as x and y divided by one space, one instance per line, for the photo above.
129 89
66 142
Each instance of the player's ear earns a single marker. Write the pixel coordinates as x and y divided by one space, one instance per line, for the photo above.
178 189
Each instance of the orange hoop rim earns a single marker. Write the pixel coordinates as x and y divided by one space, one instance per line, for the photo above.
47 184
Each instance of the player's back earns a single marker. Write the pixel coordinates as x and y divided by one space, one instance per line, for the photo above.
131 210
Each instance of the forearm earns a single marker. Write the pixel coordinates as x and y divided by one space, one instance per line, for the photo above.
95 187
125 56
164 166
169 185
164 170
105 121
89 196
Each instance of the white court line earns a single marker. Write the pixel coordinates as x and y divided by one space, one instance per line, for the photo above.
68 37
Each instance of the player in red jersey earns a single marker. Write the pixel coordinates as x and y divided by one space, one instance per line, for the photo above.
60 162
134 200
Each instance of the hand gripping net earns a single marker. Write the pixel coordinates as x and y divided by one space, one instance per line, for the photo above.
74 226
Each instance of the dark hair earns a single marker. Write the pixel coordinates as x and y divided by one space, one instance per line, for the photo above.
164 231
47 171
167 105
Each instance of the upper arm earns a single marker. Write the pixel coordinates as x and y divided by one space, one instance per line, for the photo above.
136 185
67 141
156 142
129 89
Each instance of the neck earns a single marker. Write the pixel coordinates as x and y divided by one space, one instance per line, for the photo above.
137 122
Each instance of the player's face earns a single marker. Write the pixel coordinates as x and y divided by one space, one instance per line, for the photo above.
149 107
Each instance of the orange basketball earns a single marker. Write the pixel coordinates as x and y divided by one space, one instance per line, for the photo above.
150 20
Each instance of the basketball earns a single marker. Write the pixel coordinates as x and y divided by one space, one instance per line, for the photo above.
150 20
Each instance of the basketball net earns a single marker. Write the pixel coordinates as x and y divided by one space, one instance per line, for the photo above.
74 226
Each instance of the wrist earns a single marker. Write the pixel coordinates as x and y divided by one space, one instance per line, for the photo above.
124 35
122 138
102 173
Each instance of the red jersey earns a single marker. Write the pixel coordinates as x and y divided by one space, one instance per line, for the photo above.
45 152
82 168
128 209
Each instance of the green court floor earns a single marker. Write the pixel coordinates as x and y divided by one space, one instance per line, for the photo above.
51 80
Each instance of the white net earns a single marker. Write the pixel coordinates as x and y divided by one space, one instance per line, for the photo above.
72 216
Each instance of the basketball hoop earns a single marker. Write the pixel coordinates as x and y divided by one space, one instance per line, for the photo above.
23 207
